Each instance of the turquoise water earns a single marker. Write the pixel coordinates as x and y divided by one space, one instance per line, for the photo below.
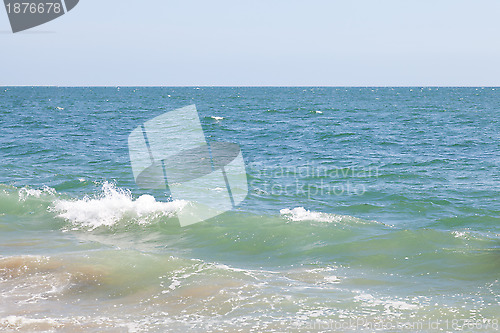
368 208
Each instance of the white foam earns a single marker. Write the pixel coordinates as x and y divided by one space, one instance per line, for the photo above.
301 214
332 279
113 205
20 321
391 306
26 192
460 234
217 118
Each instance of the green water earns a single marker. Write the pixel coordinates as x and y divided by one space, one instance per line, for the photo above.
368 209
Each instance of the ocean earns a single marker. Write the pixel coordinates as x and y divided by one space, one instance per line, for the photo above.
368 209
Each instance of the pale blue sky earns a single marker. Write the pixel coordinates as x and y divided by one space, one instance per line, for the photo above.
273 42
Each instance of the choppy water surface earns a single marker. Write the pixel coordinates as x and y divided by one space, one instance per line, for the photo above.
369 208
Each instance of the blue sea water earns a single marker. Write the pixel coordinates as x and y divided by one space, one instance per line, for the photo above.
368 209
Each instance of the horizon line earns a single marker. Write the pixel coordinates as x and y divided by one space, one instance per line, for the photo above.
247 86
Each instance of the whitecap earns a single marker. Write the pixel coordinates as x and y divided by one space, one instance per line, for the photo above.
113 205
301 214
26 192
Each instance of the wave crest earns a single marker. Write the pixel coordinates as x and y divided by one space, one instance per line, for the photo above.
114 205
298 214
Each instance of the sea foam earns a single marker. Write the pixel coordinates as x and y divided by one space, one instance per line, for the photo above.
302 214
113 205
26 192
299 214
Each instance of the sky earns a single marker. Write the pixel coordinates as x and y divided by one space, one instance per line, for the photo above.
259 43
